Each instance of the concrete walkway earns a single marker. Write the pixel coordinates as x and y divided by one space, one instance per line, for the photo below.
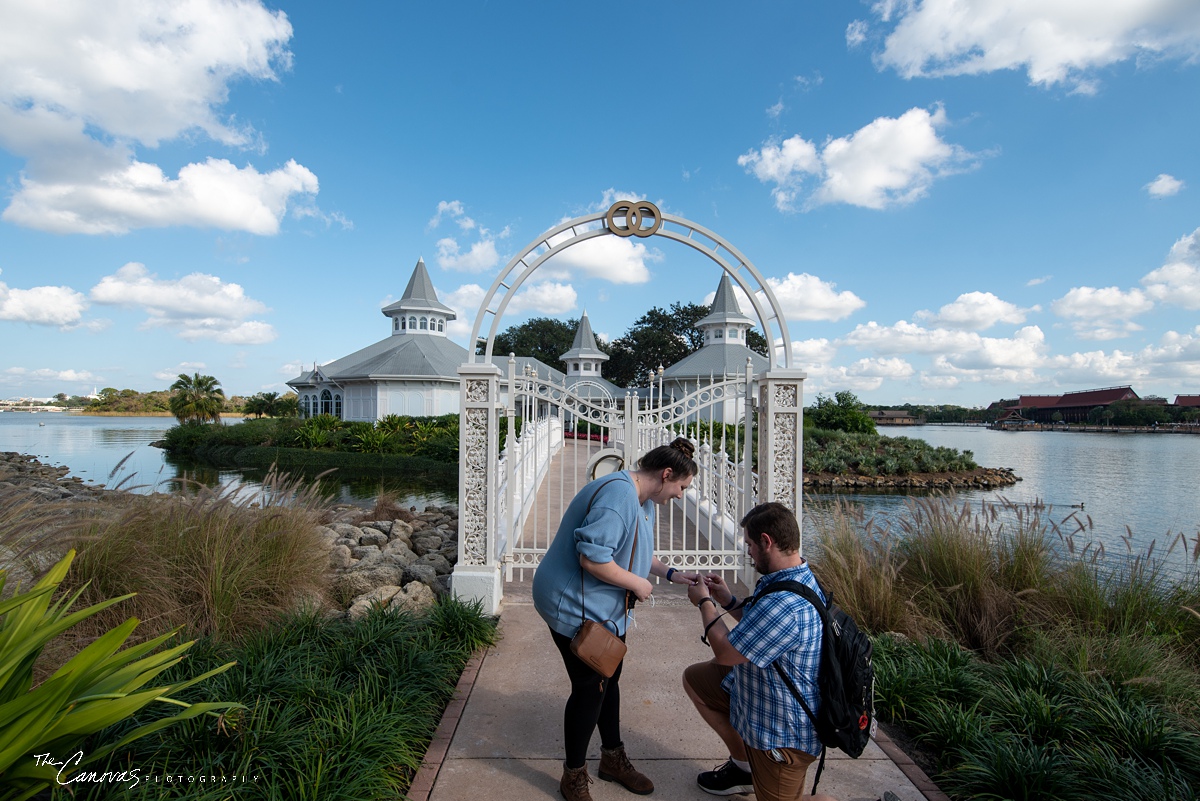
501 737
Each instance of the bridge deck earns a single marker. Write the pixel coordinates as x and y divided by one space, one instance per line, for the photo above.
678 540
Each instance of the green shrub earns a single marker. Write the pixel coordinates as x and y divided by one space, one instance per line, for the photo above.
334 709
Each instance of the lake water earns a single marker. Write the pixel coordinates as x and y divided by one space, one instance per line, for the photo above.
92 447
1146 482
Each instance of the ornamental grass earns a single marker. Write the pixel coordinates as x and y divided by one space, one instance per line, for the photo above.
1026 662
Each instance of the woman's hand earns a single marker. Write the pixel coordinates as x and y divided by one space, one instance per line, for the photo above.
641 588
689 579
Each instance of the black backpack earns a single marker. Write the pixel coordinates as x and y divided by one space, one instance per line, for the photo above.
845 678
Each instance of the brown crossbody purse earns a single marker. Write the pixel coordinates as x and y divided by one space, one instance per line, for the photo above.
594 645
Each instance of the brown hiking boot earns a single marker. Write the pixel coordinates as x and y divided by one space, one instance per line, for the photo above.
616 767
574 784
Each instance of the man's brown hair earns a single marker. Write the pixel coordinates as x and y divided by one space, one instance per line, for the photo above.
776 520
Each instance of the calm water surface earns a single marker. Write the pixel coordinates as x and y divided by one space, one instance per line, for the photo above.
1146 482
94 447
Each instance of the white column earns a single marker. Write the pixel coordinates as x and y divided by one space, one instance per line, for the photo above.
477 574
781 439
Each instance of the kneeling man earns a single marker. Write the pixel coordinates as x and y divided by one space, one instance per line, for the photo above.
771 739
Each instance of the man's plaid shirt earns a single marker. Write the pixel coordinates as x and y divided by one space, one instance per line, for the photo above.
784 627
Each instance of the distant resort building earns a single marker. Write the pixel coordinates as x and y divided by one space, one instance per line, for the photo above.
894 417
414 370
1072 406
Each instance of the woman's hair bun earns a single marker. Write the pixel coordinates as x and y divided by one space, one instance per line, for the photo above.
684 446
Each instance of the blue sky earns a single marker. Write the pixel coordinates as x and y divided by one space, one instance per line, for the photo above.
954 200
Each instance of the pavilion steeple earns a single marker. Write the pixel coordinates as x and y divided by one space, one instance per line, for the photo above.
584 358
419 310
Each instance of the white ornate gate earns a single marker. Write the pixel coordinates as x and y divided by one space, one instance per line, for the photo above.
502 533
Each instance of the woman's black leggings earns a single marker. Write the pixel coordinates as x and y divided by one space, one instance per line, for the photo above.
595 701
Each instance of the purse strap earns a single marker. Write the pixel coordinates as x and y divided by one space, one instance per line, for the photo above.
632 553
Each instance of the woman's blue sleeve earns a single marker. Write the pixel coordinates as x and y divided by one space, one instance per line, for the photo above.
601 535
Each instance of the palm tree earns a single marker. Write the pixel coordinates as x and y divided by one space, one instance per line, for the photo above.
197 398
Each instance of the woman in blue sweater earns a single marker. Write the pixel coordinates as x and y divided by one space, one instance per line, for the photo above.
593 562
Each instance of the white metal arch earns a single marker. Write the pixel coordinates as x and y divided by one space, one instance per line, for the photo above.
678 229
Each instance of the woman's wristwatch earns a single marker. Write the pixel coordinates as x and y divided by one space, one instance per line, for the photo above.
670 572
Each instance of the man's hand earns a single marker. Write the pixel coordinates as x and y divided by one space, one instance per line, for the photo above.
718 588
679 577
697 592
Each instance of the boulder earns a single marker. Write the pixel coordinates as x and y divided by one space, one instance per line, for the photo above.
399 552
438 562
339 557
379 596
347 530
383 526
417 572
364 551
372 537
424 543
415 597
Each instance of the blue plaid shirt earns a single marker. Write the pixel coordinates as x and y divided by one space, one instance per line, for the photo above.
786 628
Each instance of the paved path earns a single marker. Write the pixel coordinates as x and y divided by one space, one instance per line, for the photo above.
501 739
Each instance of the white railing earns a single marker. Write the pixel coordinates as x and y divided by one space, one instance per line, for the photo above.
529 457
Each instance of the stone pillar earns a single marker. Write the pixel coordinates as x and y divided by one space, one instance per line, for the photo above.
477 574
781 439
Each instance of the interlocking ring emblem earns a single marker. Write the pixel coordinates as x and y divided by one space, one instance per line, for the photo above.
635 214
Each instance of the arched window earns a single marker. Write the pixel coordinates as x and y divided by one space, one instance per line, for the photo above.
337 405
441 325
424 323
412 323
395 324
402 323
574 367
733 333
720 333
326 402
304 406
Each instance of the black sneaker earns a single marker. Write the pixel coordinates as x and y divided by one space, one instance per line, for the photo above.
727 779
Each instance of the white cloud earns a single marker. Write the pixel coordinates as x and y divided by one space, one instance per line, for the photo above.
807 297
1054 41
774 111
1037 281
171 373
961 350
864 375
906 337
856 33
20 374
1178 281
810 354
975 311
480 256
888 162
42 305
1164 186
1102 313
82 85
612 258
213 194
541 299
198 306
